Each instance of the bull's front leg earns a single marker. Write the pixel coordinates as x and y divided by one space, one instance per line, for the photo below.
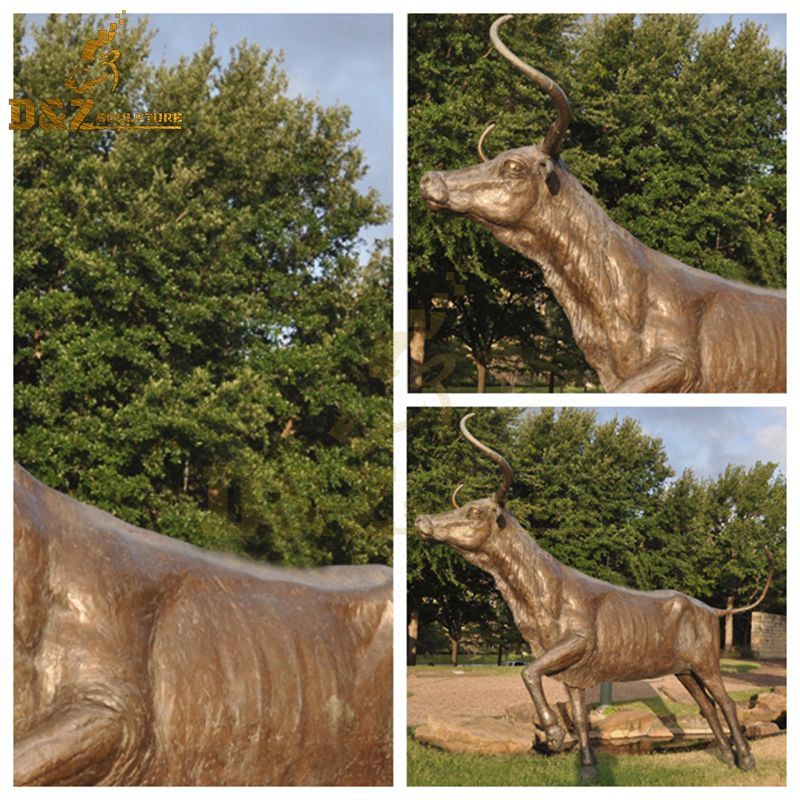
74 747
666 374
566 653
577 697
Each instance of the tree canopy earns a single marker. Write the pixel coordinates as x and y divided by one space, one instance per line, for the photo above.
678 132
198 347
602 498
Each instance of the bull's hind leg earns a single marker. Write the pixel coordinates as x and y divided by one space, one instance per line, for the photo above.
712 680
588 761
561 657
708 710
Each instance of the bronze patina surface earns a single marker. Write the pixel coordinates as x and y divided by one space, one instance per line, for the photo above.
141 660
644 321
583 631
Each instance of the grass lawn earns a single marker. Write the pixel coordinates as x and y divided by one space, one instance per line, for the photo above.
428 766
664 708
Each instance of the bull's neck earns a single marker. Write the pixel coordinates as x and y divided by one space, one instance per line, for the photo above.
527 577
577 246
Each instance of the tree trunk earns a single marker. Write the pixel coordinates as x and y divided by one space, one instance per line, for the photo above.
413 633
453 651
481 387
500 655
551 387
727 643
416 348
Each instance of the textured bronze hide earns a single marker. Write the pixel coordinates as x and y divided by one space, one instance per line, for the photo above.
583 631
644 321
141 660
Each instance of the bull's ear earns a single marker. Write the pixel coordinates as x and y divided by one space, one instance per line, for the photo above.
546 167
501 520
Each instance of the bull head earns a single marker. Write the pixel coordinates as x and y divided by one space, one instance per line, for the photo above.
468 528
499 192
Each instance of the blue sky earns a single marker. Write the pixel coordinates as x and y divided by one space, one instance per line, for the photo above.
337 58
774 23
708 439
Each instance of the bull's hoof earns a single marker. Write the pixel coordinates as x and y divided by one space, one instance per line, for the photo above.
747 761
555 738
726 757
588 774
724 754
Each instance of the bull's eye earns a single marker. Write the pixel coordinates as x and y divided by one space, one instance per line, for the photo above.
474 513
513 168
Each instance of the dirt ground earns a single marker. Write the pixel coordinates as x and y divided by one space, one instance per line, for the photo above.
453 694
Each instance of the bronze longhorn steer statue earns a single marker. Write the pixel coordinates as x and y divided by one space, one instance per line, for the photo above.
141 660
583 631
644 321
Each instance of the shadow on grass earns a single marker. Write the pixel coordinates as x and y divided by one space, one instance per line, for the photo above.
606 771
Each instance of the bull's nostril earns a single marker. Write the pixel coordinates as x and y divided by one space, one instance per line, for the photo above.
433 188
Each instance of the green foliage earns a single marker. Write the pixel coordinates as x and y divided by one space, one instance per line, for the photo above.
197 348
678 133
587 490
746 513
600 498
685 130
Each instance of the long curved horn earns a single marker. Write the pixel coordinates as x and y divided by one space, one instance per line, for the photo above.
486 131
551 145
508 475
453 496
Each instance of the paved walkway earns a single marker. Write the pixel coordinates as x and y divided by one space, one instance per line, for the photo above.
455 694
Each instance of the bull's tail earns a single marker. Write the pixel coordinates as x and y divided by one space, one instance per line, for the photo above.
724 612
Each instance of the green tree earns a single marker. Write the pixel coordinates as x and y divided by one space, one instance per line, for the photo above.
498 630
707 537
685 134
587 491
747 512
197 346
669 556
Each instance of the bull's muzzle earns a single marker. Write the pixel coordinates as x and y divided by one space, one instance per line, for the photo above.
434 190
424 526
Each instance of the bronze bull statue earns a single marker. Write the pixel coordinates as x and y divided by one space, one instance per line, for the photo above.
583 631
141 660
644 321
